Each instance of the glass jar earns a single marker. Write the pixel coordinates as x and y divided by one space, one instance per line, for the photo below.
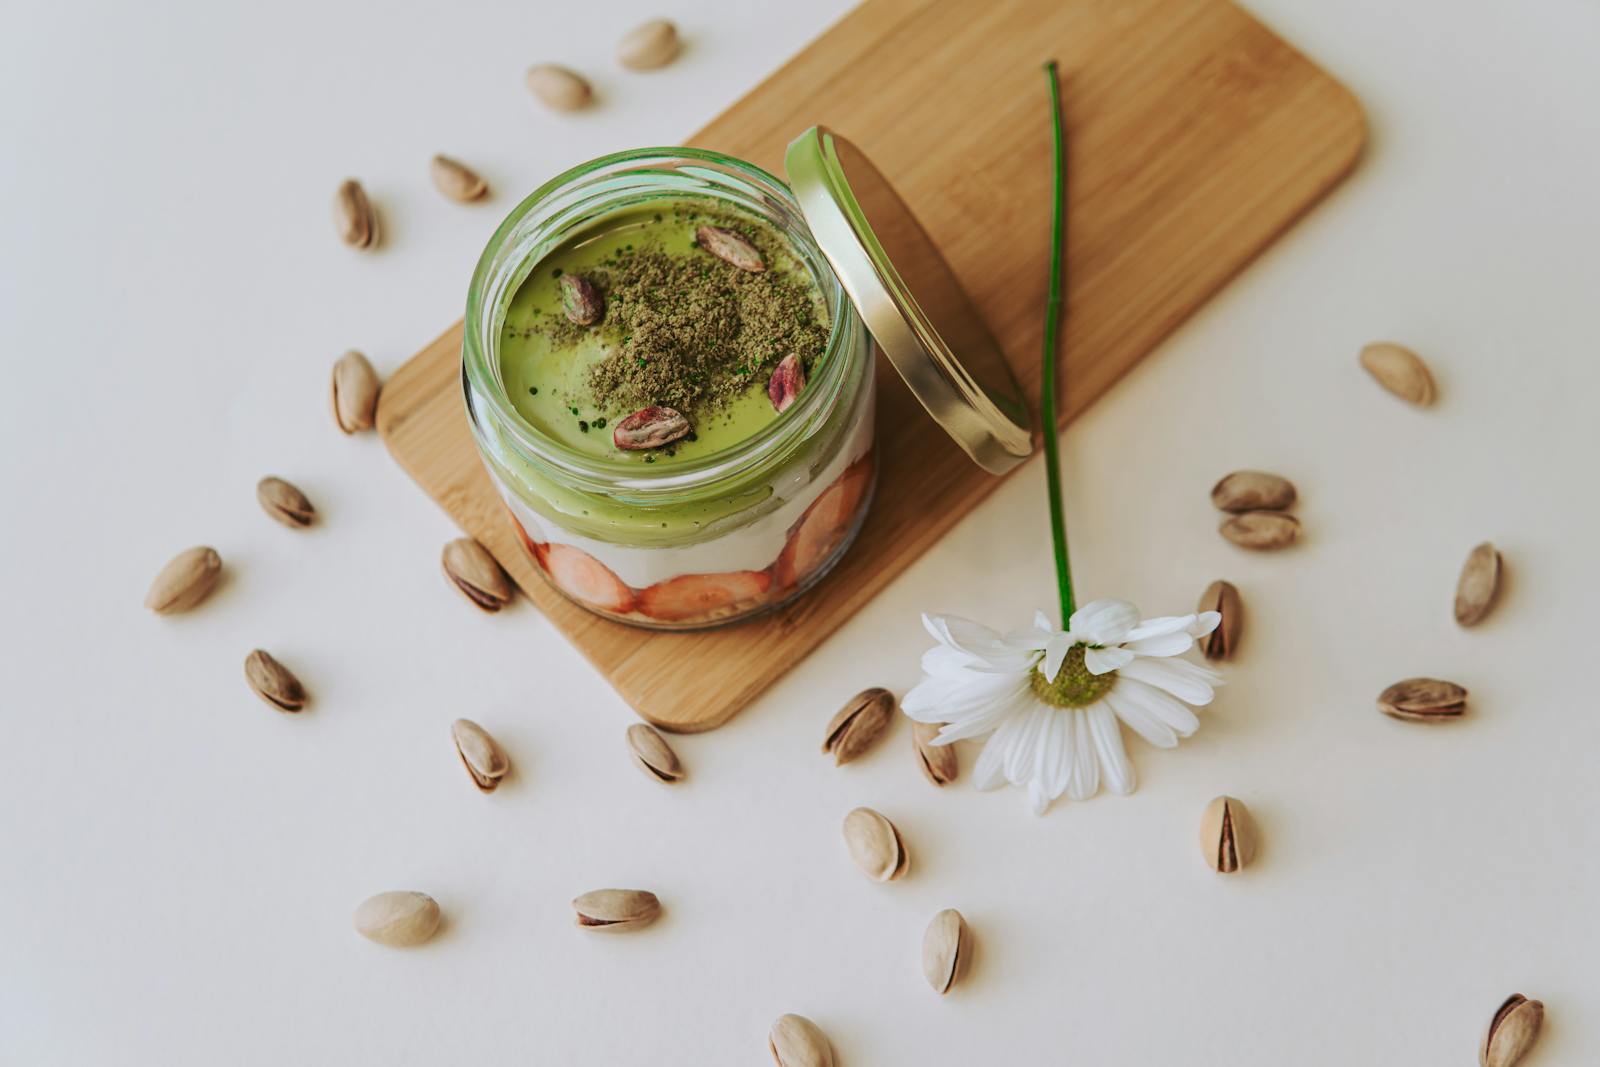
700 542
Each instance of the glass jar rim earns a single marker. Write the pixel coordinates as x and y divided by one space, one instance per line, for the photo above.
481 376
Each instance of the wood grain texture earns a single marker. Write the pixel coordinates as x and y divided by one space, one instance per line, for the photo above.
1196 136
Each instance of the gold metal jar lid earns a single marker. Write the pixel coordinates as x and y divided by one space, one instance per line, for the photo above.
909 299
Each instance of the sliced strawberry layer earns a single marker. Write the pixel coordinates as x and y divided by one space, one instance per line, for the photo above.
824 525
584 578
694 596
522 531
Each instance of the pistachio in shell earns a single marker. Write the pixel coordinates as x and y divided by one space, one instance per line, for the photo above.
653 755
1512 1032
354 219
558 88
398 918
1252 491
616 909
273 682
457 181
875 845
477 574
285 502
796 1041
1399 370
1479 586
939 763
1227 835
1223 598
185 581
1261 531
355 392
946 950
649 45
856 726
1429 700
486 762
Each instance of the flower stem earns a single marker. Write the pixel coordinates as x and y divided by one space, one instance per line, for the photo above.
1047 380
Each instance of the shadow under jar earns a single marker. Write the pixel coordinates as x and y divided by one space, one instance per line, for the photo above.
602 296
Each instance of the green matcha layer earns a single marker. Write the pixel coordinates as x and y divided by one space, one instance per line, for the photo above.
674 325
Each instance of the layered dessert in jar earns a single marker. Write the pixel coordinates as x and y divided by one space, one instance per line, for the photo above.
670 390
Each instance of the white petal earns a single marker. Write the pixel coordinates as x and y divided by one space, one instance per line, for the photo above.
1140 719
979 723
1173 644
940 700
1104 622
967 636
1054 653
1204 623
1037 797
1165 624
989 771
1021 755
1153 701
1056 766
942 661
1041 622
1086 766
1105 660
1186 681
1044 755
1108 745
1066 754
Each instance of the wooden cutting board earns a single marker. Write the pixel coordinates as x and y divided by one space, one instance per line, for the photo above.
1196 136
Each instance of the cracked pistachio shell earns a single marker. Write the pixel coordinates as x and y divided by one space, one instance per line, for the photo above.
1423 700
858 724
616 909
398 918
476 573
1222 598
456 180
285 503
1399 370
1512 1032
355 392
939 763
1227 835
648 46
353 216
946 950
480 754
558 88
653 755
1253 491
1479 586
875 845
187 579
796 1041
1261 530
273 682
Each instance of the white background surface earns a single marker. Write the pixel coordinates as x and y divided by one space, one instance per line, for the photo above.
180 863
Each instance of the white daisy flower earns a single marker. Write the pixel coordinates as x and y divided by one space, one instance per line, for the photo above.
1051 699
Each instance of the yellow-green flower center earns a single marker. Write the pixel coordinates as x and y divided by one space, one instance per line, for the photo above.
1074 686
